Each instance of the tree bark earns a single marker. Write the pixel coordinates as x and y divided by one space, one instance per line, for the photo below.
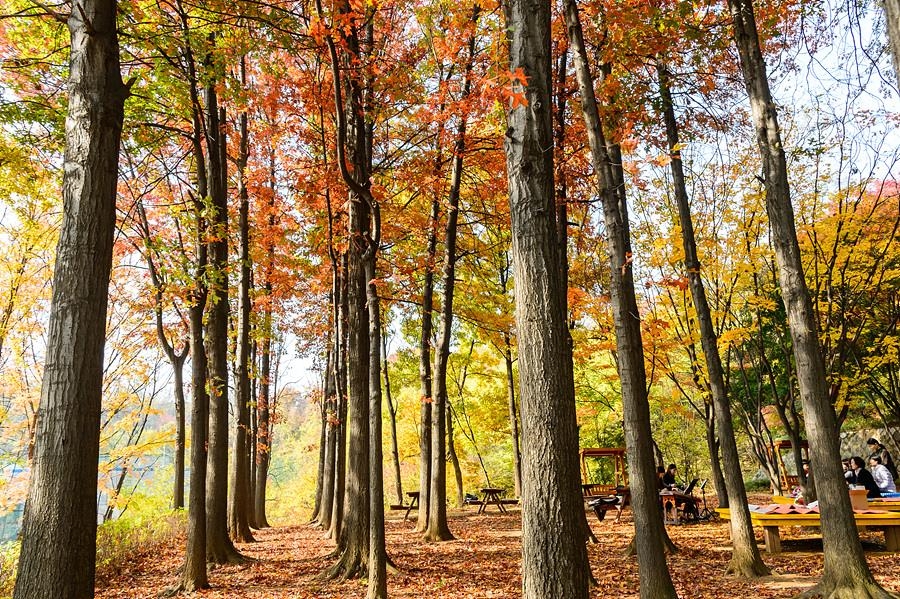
655 580
239 508
264 427
513 415
377 569
392 411
59 529
554 557
425 371
746 561
892 18
454 459
846 573
438 529
219 548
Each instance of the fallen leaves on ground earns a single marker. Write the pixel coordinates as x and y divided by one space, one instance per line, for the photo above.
484 561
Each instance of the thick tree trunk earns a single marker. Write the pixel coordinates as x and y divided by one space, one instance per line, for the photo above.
194 573
513 415
239 508
59 529
554 557
392 412
846 573
746 561
377 570
219 548
892 18
354 148
655 580
353 541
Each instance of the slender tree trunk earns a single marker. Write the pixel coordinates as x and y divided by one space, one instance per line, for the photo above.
454 459
425 371
377 556
655 580
712 444
340 479
59 529
239 508
178 491
392 411
513 415
552 507
253 435
323 518
846 573
437 529
264 427
745 559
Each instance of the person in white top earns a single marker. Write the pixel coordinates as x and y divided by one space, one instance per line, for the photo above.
882 475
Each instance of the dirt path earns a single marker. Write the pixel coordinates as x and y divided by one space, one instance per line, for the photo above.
483 562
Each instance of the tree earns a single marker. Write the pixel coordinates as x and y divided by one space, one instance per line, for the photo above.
551 497
655 580
846 573
745 560
59 531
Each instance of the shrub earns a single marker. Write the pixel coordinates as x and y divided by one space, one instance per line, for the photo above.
119 541
9 556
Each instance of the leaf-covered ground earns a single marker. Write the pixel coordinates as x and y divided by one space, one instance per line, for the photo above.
484 562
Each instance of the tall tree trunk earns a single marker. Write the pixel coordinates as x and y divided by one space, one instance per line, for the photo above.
340 455
712 444
437 529
554 557
745 559
655 580
513 414
264 427
59 529
353 148
253 434
846 573
219 548
454 459
892 18
178 482
392 411
239 508
425 379
323 515
377 570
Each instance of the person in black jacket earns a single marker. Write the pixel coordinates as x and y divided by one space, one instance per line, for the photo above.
864 477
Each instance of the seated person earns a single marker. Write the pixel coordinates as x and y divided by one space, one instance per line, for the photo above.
669 477
864 477
881 475
660 474
848 472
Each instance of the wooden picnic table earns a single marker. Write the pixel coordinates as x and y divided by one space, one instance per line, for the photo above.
413 502
491 495
771 523
888 504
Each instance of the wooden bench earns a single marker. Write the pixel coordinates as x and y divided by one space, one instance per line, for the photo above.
771 523
886 504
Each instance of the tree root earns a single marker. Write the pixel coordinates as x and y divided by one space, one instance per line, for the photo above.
747 569
856 590
350 564
181 587
229 555
438 534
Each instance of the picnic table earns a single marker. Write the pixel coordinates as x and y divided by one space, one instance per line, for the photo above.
888 504
781 515
491 495
413 503
670 501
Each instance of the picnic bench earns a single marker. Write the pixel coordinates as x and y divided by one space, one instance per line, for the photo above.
888 504
771 524
492 495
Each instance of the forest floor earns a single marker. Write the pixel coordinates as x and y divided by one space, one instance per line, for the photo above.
484 561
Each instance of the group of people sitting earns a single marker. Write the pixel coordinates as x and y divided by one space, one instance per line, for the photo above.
879 478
